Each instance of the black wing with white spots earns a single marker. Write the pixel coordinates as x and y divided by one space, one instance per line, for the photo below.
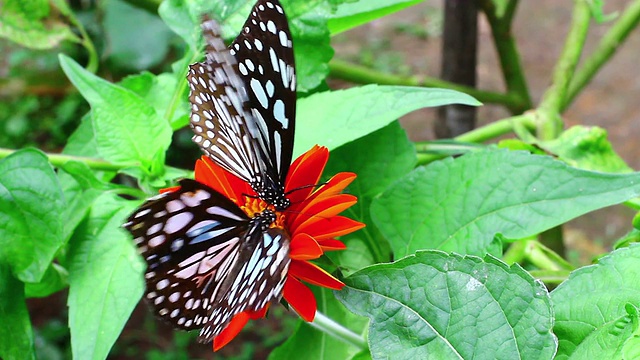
243 101
201 250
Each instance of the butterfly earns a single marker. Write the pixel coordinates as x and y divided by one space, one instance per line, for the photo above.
206 259
243 101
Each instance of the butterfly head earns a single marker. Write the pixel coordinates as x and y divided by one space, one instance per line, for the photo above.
272 193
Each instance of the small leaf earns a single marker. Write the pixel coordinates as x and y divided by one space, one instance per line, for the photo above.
31 201
334 118
432 305
16 335
54 280
594 297
460 205
353 14
105 278
378 159
587 148
127 129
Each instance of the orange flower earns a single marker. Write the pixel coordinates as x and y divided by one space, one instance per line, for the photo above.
312 222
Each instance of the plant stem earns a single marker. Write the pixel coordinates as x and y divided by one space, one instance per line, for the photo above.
550 276
549 121
328 326
508 53
481 134
608 45
362 75
58 160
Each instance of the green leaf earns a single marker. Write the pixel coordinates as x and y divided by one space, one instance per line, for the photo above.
143 51
593 298
127 129
334 118
80 188
183 17
315 344
160 92
587 148
433 305
378 159
33 24
105 278
16 335
31 201
54 280
460 205
353 14
82 142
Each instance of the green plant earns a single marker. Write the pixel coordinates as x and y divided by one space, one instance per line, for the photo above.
439 271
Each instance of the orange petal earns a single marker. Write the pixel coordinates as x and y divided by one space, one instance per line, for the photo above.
305 172
211 174
255 315
304 247
230 332
313 274
331 245
169 189
334 186
327 228
323 208
300 298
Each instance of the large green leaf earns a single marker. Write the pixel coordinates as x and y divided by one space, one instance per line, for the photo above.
592 300
460 205
433 305
127 130
334 118
143 51
378 159
356 13
105 278
31 201
16 335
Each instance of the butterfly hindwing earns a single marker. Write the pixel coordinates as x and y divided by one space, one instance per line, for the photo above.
258 278
190 239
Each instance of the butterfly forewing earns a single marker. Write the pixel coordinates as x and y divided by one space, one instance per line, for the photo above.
264 52
258 278
219 108
190 239
243 101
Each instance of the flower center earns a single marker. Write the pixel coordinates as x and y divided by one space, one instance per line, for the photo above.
254 206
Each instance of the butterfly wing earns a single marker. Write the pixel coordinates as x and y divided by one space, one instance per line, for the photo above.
190 239
257 279
219 109
243 101
264 52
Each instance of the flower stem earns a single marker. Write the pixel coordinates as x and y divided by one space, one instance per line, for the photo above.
549 121
550 276
484 133
328 326
58 160
507 50
363 75
608 45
